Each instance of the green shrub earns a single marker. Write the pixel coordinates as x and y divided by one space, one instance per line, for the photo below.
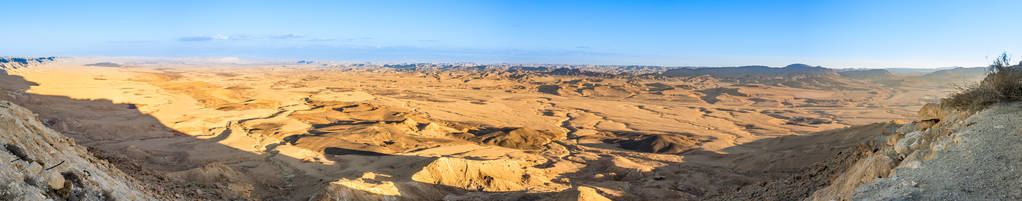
1003 83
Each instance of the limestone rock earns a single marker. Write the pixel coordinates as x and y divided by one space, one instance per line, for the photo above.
931 111
925 124
54 180
21 179
484 175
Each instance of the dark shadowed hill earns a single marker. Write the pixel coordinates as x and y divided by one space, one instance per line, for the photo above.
790 71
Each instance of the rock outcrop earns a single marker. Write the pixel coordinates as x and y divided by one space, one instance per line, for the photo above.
945 155
38 163
931 112
971 158
489 175
447 178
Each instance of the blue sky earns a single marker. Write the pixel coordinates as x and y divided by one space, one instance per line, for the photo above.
674 33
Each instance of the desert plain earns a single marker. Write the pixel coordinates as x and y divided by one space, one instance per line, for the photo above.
208 129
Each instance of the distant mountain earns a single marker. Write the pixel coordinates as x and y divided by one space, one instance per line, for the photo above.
104 64
787 72
7 63
870 74
956 74
572 72
794 75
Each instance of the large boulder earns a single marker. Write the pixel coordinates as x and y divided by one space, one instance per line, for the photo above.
931 112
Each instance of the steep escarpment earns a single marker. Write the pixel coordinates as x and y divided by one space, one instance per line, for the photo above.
37 163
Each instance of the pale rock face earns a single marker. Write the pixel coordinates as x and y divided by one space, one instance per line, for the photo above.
891 140
54 180
490 175
435 130
29 146
903 145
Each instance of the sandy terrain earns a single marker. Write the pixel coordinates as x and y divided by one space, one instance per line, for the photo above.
300 132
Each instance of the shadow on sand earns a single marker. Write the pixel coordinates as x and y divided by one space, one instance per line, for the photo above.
142 146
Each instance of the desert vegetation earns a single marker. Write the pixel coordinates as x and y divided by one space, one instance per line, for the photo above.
1003 83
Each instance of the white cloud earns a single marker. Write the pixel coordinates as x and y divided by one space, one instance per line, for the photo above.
204 38
220 37
289 36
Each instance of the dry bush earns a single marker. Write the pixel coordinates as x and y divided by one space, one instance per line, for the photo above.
1002 84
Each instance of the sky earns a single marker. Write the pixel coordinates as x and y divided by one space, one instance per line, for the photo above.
841 34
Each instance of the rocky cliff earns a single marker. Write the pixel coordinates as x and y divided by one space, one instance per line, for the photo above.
37 163
944 155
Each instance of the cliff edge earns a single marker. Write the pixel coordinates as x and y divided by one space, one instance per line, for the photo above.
37 163
945 155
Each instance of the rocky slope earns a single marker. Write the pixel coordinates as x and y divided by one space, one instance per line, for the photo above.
38 163
945 155
957 158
